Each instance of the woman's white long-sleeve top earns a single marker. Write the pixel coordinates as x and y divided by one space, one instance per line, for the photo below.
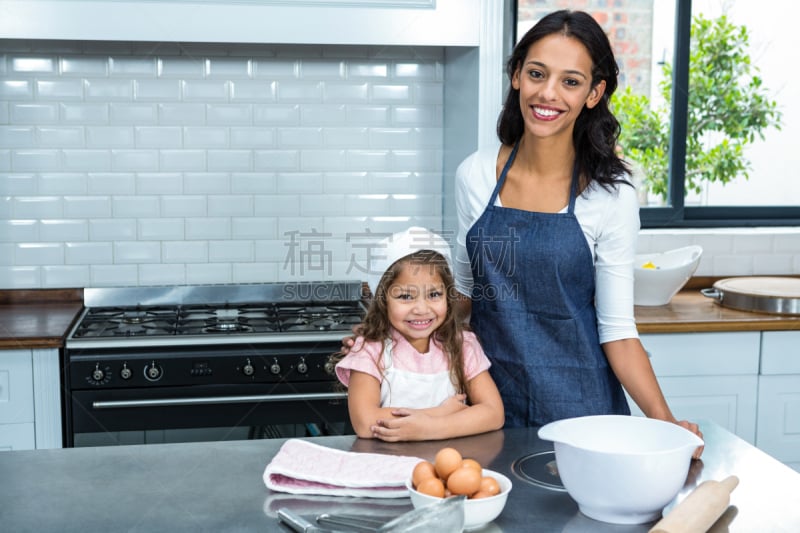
610 223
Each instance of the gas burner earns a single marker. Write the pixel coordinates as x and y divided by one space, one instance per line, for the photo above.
227 327
312 323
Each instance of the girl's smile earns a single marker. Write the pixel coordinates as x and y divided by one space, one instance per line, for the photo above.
417 304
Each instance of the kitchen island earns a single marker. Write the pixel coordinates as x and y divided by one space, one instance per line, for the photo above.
217 486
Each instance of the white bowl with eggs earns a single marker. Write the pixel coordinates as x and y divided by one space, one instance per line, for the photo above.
659 276
477 512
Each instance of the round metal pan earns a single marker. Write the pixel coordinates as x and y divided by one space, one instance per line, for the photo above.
777 295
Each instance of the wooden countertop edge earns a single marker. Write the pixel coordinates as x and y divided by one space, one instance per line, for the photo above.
727 326
32 343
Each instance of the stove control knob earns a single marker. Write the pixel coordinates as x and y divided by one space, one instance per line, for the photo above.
97 374
248 369
302 367
125 373
275 368
153 372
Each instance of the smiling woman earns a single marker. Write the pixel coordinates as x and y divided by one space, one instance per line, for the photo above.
755 191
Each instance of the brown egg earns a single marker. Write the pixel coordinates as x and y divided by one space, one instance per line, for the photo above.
447 460
490 486
424 470
432 486
472 463
480 494
465 481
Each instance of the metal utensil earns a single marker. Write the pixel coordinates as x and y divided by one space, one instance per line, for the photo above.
352 522
300 524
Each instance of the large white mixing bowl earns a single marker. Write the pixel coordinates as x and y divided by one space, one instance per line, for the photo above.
621 469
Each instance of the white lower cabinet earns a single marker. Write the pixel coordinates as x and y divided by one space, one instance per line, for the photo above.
711 376
779 397
30 399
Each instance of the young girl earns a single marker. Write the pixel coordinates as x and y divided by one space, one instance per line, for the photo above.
413 372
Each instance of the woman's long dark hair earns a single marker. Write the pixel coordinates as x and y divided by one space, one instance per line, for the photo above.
597 129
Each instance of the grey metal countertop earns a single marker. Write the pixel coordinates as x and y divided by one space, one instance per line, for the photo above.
217 486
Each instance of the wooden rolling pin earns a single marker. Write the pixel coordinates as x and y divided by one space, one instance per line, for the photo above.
698 512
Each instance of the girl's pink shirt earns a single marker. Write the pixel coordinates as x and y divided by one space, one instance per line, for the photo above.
364 356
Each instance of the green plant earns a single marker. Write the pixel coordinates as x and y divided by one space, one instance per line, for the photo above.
728 108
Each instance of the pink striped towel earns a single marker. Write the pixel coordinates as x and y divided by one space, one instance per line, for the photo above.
302 467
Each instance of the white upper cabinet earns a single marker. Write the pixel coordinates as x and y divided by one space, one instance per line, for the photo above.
381 22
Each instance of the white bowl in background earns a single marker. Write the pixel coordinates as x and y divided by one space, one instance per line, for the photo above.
621 469
477 513
657 286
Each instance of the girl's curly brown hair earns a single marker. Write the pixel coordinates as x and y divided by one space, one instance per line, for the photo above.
449 336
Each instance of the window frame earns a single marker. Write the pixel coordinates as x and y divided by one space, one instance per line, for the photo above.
676 214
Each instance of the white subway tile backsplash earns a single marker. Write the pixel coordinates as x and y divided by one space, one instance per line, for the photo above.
17 136
112 183
205 137
180 67
234 160
367 115
391 138
229 114
181 114
253 182
773 264
32 64
428 93
276 205
181 251
159 183
114 275
16 89
134 160
299 182
109 137
65 276
182 160
61 137
345 182
300 137
135 207
17 184
117 229
158 137
184 206
89 160
157 90
6 254
371 160
37 207
5 160
63 230
275 68
230 251
252 90
299 91
345 137
367 69
205 90
253 227
230 205
206 183
33 113
416 115
345 92
252 137
137 252
140 114
276 160
322 204
62 183
208 273
161 274
84 66
35 160
40 253
255 273
206 229
225 67
16 277
87 207
88 253
4 113
59 89
145 67
82 114
323 115
109 89
19 231
276 114
391 93
273 250
322 160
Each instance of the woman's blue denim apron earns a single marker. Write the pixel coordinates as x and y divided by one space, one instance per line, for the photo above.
533 311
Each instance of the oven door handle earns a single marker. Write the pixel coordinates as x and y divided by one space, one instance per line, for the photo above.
207 400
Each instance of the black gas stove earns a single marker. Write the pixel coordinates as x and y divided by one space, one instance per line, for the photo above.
222 356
